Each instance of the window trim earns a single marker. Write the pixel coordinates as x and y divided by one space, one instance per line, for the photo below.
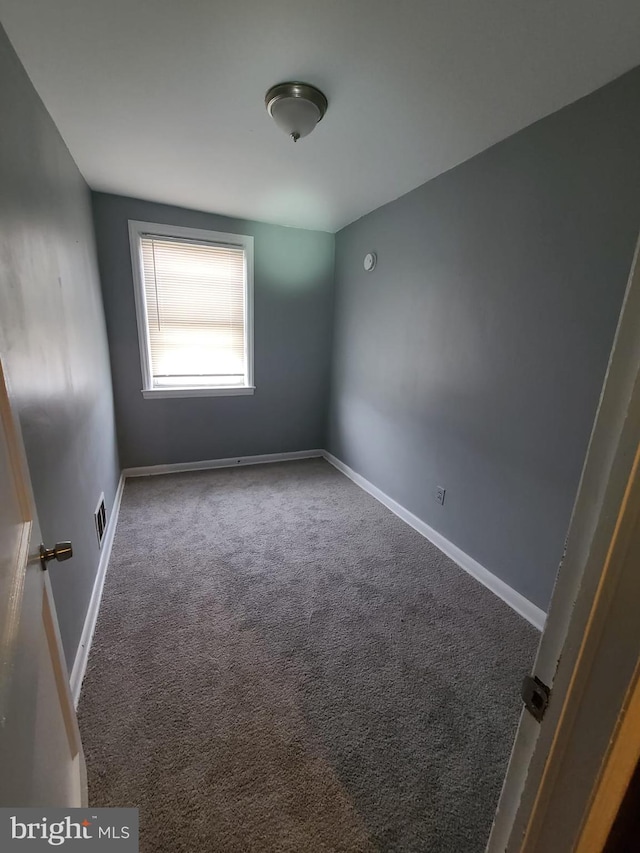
136 229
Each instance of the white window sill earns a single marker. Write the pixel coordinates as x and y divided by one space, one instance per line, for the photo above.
222 391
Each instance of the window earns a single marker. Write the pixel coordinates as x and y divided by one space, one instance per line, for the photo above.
194 295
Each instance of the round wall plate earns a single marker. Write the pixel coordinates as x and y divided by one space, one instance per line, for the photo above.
370 261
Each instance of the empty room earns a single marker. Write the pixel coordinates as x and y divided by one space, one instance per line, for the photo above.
320 395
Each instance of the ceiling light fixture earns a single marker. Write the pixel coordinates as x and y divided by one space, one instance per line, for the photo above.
295 107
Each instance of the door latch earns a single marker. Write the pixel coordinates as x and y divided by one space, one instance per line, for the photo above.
535 695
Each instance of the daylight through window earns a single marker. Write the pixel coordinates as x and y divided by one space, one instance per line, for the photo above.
195 295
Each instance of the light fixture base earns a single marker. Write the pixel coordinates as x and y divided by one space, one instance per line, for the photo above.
296 107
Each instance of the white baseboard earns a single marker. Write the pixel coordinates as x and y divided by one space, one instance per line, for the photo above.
231 462
515 600
82 655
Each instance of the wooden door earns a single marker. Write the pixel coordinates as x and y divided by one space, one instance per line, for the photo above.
41 758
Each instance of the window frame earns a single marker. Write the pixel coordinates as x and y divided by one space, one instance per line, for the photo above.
137 228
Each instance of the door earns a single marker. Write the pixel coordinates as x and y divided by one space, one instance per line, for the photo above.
41 758
555 763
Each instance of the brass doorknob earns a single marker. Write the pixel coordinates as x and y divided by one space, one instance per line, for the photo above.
61 551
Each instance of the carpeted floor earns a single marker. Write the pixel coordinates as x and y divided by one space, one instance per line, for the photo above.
281 664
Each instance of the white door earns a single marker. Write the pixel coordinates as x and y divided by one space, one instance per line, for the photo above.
546 791
41 758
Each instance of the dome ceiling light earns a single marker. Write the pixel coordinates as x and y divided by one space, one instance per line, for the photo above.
295 107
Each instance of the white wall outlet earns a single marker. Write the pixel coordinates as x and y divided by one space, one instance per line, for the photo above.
440 493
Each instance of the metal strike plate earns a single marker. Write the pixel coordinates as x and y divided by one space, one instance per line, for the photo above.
535 695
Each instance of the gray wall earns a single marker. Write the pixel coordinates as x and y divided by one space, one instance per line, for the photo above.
293 283
473 356
52 336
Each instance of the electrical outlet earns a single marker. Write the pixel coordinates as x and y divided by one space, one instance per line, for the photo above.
440 493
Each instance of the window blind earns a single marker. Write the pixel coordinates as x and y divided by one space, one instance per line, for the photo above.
195 298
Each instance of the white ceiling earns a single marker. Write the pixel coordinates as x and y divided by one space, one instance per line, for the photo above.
163 99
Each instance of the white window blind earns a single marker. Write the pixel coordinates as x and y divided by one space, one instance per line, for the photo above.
195 295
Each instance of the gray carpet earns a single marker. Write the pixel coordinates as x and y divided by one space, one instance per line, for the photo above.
281 664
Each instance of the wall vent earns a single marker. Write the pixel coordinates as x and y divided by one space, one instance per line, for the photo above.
100 518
